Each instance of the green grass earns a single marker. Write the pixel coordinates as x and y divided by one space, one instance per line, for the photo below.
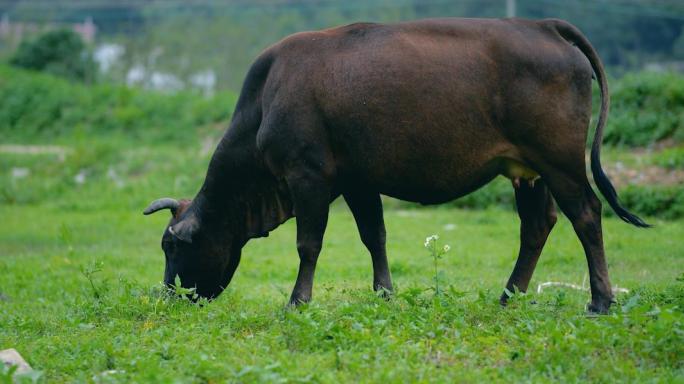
70 330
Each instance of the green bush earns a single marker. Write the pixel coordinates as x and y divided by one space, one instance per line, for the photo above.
499 192
664 202
670 158
37 106
60 53
645 108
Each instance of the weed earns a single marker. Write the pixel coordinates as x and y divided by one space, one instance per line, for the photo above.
436 254
89 272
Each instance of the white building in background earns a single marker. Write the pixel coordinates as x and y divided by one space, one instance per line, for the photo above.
139 76
107 55
165 82
135 76
205 81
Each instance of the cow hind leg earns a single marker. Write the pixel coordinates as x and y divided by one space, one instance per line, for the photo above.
580 204
367 210
537 217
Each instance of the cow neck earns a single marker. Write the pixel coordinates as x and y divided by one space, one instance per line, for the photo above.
258 206
215 203
240 188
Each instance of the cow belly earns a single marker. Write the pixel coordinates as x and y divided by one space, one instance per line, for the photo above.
423 192
428 172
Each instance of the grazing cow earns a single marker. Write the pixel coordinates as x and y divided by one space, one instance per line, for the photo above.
424 111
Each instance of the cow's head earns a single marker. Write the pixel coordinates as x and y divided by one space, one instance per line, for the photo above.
203 253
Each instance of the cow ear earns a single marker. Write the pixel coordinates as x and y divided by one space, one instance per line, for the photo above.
185 229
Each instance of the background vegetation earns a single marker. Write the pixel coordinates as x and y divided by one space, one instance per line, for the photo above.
647 112
39 107
182 38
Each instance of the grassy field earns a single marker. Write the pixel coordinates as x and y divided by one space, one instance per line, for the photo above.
81 300
80 297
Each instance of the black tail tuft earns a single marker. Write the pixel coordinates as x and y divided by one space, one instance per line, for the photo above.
608 191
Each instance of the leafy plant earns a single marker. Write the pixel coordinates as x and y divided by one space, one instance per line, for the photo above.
89 272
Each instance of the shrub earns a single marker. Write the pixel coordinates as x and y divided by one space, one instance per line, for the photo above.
664 202
37 106
645 108
670 158
60 53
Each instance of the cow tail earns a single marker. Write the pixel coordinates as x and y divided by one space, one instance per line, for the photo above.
574 36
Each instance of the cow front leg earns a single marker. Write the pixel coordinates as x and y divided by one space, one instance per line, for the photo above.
537 217
311 199
367 210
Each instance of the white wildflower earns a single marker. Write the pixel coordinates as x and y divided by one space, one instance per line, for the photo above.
446 248
430 239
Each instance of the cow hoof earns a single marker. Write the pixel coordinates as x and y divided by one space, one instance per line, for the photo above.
599 308
503 300
297 302
383 292
507 294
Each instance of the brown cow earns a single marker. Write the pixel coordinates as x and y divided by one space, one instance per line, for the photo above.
423 111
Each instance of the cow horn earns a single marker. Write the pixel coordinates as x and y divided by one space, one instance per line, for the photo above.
162 203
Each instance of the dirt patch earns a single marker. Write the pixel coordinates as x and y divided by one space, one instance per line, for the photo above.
60 152
644 175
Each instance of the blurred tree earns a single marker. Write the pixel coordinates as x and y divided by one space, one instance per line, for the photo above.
226 36
678 47
184 38
60 52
